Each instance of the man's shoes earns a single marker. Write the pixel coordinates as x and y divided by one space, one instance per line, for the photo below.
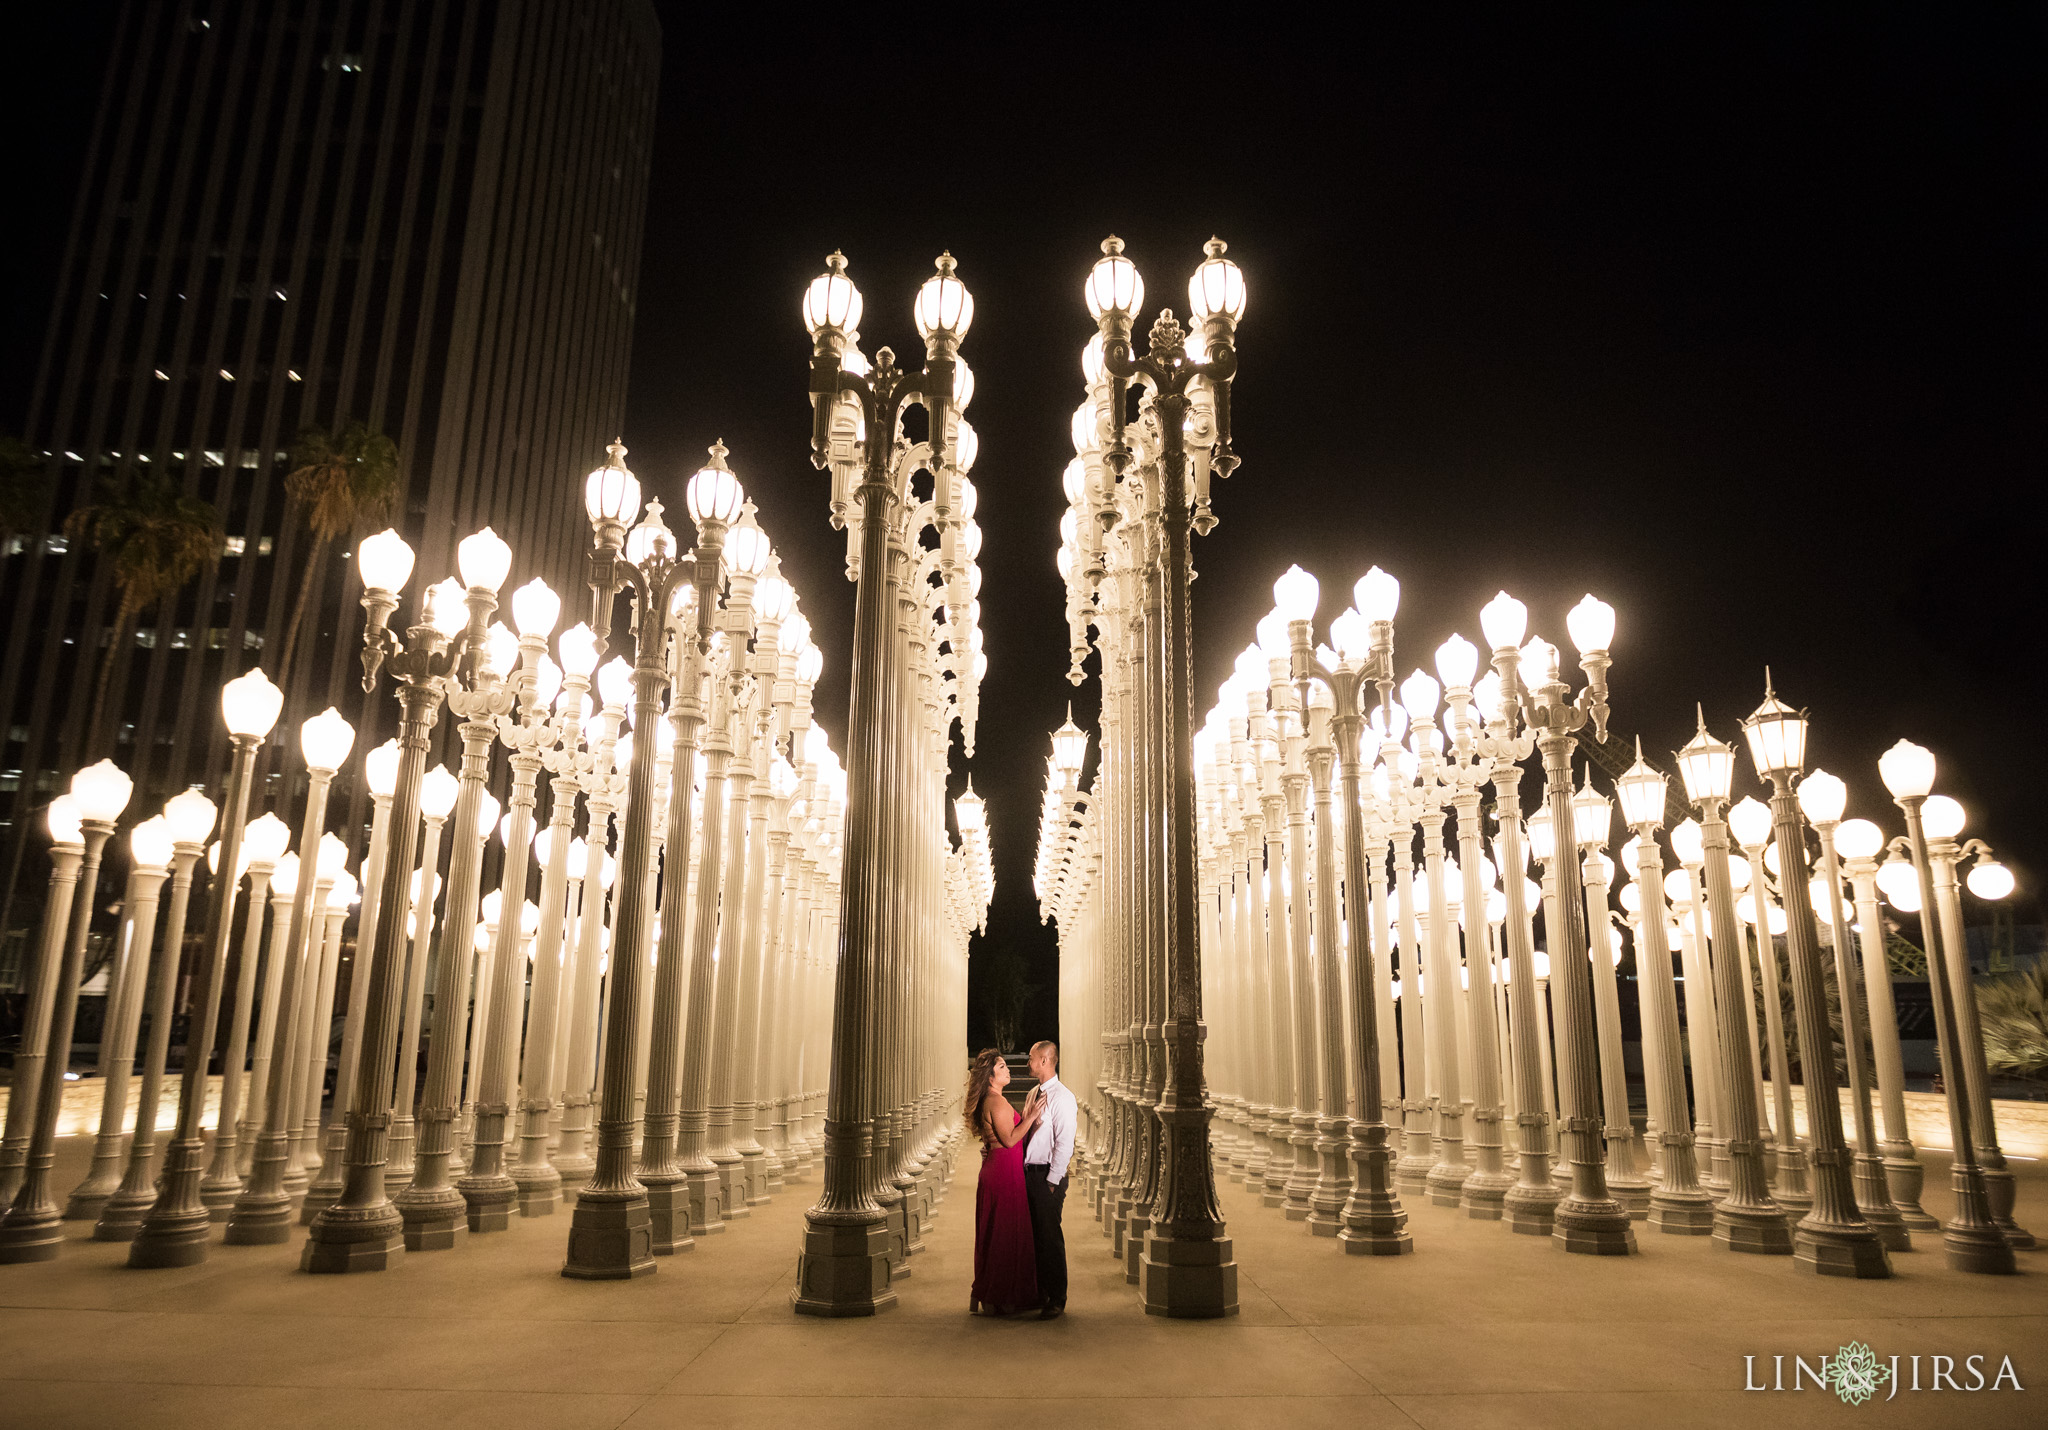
1050 1312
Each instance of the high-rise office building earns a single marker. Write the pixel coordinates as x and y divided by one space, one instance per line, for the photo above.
421 215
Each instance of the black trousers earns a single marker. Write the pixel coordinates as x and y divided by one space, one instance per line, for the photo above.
1051 1242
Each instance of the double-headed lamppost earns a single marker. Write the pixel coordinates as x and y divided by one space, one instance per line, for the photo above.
857 434
1588 1218
1973 1240
1832 1238
175 1233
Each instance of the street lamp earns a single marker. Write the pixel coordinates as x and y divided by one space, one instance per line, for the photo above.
1832 1239
67 850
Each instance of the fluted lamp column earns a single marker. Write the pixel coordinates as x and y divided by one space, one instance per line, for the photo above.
67 850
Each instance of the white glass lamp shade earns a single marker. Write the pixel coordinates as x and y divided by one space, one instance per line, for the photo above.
1941 817
536 608
1074 481
1641 792
345 893
1378 595
1092 360
1858 839
1688 844
1542 837
611 494
150 842
1590 624
1457 660
446 611
490 906
1084 430
615 682
1989 879
501 648
796 628
326 740
1542 962
1631 897
966 446
547 681
1738 870
1900 885
1114 285
1486 696
774 599
191 816
579 857
1777 737
831 301
63 820
380 769
747 550
250 704
1250 669
1539 661
1351 634
384 562
1503 620
1271 633
284 878
1419 693
102 791
714 493
333 855
810 663
1070 746
265 839
484 560
943 306
1749 820
1707 766
577 647
782 778
437 793
1678 889
1822 798
1389 721
817 746
487 813
1296 594
963 383
1592 817
1217 287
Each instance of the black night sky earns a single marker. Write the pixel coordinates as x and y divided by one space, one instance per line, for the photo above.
1735 322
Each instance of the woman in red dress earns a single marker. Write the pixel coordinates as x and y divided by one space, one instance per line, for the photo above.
1005 1263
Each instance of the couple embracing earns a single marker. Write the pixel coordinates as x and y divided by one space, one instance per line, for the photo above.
1020 1253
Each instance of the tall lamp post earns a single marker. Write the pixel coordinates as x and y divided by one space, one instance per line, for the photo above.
67 851
1832 1238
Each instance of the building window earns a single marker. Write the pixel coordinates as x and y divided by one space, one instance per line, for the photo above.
252 640
235 546
145 640
55 545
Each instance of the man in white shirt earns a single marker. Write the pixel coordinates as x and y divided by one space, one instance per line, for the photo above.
1046 1155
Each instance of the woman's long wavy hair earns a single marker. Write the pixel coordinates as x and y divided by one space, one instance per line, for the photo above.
978 1077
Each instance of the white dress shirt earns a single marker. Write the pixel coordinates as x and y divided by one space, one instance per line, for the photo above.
1052 1141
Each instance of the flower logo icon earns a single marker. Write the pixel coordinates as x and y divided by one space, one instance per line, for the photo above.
1854 1373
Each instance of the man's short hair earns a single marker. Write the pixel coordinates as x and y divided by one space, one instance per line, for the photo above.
1046 1045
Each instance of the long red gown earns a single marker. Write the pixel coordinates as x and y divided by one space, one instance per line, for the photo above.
1005 1262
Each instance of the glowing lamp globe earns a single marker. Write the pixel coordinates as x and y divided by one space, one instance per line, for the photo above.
102 791
1539 659
346 892
1688 844
1907 770
63 820
611 494
250 704
746 548
1351 634
1988 879
1084 431
284 879
1941 817
326 740
1641 792
944 307
578 649
1749 820
810 663
437 793
445 609
1419 694
1113 284
536 608
332 856
1217 288
1631 897
1296 594
1457 660
1070 746
150 842
501 648
1678 888
484 560
1542 837
1592 817
1777 737
487 813
1858 839
966 446
1503 620
1707 767
384 562
831 302
1378 595
774 599
963 383
714 493
615 682
547 681
1590 624
190 817
1899 884
265 839
1822 798
796 629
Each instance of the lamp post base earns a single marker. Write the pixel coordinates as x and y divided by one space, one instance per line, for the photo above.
1445 1183
1759 1230
1983 1251
260 1219
1190 1280
1139 1226
1682 1213
1903 1178
1594 1229
1632 1192
488 1200
1531 1210
37 1237
1840 1251
432 1217
540 1192
611 1237
843 1269
122 1217
668 1211
1484 1196
348 1239
706 1209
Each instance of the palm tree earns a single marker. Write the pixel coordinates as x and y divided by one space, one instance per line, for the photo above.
158 540
23 487
343 483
